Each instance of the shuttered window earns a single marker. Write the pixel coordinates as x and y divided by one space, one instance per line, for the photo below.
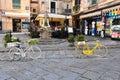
94 2
16 4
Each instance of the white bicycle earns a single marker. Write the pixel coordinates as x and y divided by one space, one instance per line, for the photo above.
18 53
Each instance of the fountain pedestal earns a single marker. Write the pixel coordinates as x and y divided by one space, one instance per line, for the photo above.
45 29
45 32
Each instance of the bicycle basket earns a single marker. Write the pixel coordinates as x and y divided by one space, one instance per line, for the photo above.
13 44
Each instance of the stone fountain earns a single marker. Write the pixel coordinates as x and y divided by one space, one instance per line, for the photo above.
45 29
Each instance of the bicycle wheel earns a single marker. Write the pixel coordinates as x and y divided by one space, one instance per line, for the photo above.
34 52
15 53
101 51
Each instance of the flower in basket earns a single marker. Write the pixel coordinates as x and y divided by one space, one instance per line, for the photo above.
32 42
15 39
80 39
9 39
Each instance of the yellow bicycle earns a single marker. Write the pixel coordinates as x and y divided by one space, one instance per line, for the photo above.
90 48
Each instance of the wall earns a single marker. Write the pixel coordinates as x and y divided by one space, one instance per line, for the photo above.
6 6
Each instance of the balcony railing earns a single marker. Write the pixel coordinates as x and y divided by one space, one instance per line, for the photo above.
76 8
52 10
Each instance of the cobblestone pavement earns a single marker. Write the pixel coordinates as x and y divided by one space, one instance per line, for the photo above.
62 65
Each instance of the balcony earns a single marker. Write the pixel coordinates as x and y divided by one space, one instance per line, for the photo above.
52 10
93 6
76 8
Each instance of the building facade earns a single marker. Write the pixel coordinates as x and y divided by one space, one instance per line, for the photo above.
97 16
57 11
14 15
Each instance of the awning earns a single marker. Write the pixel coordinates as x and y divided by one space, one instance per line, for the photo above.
14 14
90 14
53 16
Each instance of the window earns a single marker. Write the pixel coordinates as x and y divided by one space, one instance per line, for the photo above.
16 4
53 6
77 2
34 10
94 2
25 25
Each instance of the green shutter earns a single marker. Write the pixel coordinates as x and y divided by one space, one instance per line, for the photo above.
94 1
16 4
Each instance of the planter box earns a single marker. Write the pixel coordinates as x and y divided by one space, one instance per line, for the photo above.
13 44
81 43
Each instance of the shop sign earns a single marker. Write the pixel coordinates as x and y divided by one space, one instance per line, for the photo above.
115 31
113 13
27 8
3 13
113 17
70 29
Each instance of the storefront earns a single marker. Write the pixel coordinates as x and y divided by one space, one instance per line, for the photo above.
15 22
112 18
92 22
93 25
56 21
99 21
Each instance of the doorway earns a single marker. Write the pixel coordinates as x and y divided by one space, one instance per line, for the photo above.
16 25
0 25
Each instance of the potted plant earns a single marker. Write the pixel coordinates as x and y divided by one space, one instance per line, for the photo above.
71 40
80 39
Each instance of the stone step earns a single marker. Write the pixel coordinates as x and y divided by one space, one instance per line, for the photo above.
50 41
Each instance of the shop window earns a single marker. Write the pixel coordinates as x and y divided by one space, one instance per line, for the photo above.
16 4
25 25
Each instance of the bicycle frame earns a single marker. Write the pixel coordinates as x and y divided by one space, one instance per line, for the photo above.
24 51
90 48
96 45
93 49
17 52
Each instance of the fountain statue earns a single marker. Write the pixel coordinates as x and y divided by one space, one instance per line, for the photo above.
45 29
